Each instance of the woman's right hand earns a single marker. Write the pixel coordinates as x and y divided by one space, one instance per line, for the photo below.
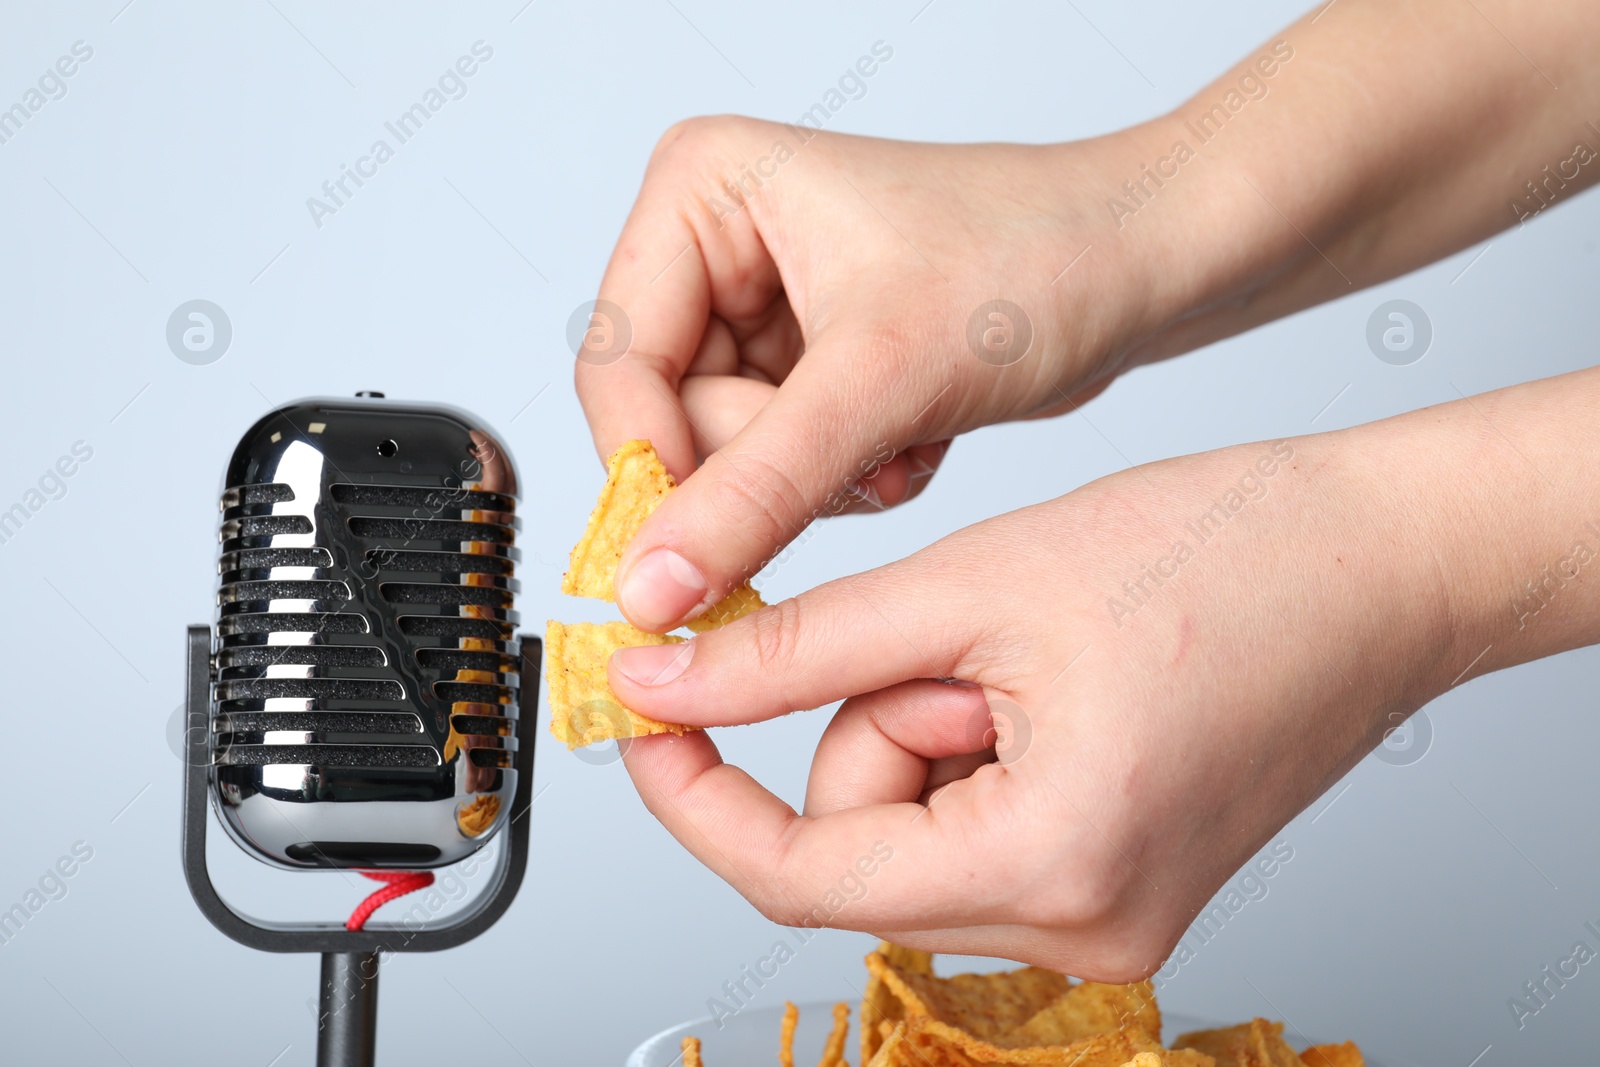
815 319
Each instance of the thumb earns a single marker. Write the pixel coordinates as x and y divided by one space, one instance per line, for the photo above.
803 456
854 635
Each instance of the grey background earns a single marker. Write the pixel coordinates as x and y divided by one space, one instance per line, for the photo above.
177 168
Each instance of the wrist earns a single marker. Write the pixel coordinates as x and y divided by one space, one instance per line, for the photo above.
1184 239
1493 502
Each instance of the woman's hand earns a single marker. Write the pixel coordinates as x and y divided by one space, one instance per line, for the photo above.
1177 659
803 305
820 316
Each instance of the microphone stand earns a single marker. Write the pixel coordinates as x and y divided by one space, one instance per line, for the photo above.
348 1016
347 1035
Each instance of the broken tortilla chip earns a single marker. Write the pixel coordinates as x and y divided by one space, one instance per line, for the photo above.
942 1045
1085 1010
983 1005
791 1019
1146 1059
736 605
833 1051
1344 1055
880 1009
583 710
1257 1043
889 1040
636 481
691 1051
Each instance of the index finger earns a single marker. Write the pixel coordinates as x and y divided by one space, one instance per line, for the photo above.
672 264
882 866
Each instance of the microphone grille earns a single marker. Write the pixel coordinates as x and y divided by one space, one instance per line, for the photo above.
366 666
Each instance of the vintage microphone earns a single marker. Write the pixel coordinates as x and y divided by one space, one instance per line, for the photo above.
364 701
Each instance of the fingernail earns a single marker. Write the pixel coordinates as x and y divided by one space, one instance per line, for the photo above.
653 664
660 589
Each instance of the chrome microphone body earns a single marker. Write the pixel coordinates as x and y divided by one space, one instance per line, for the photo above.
365 662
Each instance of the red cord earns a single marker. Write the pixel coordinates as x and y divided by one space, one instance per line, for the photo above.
400 883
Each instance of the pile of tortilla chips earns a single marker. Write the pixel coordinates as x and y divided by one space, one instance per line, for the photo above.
1033 1017
583 710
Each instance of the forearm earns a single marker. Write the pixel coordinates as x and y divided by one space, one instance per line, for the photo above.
1494 501
1386 136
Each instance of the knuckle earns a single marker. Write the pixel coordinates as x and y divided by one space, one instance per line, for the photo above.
759 498
1094 894
702 135
685 135
775 636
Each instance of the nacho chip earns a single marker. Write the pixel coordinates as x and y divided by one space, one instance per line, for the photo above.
691 1051
880 1009
1257 1043
583 709
1345 1055
941 1045
736 605
791 1019
833 1051
982 1005
636 482
1146 1059
1085 1010
890 1039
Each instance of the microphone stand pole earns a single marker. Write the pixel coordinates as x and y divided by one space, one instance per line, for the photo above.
348 1032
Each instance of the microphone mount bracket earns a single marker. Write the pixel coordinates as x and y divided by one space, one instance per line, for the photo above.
347 1024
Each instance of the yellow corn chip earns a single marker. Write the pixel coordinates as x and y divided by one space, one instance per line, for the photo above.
583 709
691 1051
1345 1055
636 482
1257 1043
791 1019
982 1005
1146 1059
833 1051
941 1045
879 1007
737 604
1085 1010
890 1039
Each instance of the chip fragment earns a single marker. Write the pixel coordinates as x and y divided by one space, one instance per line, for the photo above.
791 1019
890 1038
833 1051
1342 1055
636 482
1085 1010
691 1051
880 1009
583 709
1257 1043
983 1005
741 601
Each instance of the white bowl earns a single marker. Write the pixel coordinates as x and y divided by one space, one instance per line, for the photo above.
750 1038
